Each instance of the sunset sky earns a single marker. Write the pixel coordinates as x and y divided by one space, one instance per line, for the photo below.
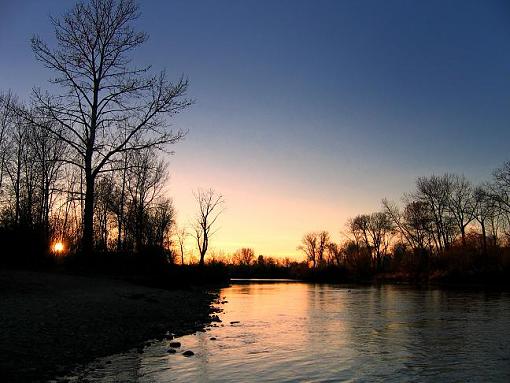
309 112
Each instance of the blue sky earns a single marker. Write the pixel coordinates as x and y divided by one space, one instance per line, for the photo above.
308 112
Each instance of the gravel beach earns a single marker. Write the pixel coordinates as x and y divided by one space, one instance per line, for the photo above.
51 322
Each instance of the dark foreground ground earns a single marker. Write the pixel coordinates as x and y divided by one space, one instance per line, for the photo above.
51 322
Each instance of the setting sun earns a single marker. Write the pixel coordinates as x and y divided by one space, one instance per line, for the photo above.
58 247
255 191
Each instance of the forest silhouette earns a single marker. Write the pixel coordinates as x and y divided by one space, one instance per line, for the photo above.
83 171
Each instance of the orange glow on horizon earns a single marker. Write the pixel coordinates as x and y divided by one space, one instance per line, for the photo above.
58 247
265 208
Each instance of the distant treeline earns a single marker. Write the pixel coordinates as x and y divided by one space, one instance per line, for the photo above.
82 173
446 229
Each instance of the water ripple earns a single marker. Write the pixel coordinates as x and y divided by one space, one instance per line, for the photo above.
295 332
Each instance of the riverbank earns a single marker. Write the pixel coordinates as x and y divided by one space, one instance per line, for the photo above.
51 322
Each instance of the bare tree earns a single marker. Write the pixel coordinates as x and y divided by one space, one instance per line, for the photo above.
334 253
244 256
485 210
380 230
7 120
322 244
104 190
461 203
106 103
373 231
182 234
500 187
314 245
413 222
210 206
161 219
146 179
358 227
435 191
48 152
309 247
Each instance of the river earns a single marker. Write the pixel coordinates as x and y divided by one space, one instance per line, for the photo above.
298 332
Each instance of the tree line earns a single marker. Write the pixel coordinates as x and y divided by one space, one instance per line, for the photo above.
82 163
446 225
44 192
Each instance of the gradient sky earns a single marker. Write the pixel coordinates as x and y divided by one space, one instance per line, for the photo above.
308 112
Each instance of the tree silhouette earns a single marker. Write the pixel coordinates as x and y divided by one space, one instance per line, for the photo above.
210 206
244 256
314 245
435 191
106 107
461 204
182 234
309 247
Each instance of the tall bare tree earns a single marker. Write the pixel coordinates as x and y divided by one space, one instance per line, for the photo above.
486 208
380 230
104 102
244 256
7 120
314 245
500 188
210 206
146 179
461 203
322 244
182 234
335 255
358 227
373 231
435 191
309 247
413 222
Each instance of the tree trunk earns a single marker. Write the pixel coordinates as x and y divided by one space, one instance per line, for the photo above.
205 244
88 213
120 216
484 237
88 216
139 233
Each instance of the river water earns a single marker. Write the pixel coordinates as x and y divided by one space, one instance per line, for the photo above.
297 332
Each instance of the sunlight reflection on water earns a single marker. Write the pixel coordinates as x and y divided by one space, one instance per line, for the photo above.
290 332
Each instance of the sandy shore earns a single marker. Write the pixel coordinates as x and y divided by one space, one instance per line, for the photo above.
49 323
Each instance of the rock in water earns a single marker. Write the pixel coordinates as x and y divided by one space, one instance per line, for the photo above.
188 353
175 344
171 351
